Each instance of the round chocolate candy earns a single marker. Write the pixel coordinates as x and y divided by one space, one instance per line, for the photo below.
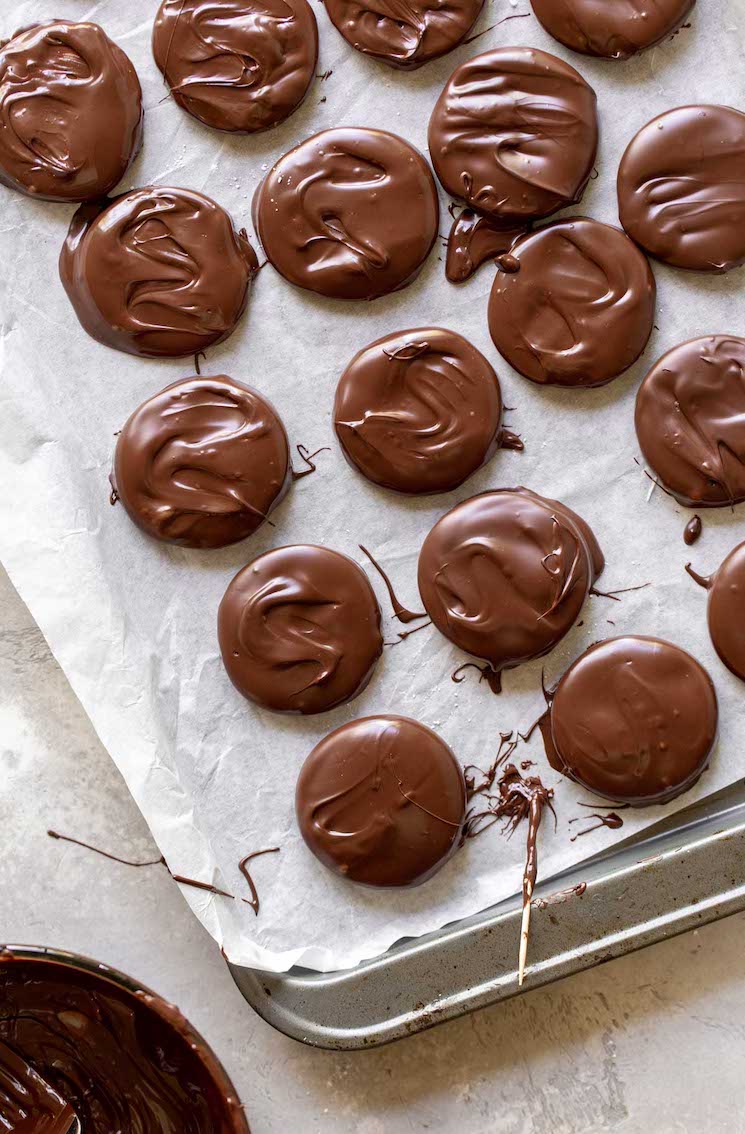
612 29
202 463
299 629
681 188
350 213
576 307
504 574
634 720
70 112
514 134
240 65
404 36
726 609
690 421
382 801
419 411
157 272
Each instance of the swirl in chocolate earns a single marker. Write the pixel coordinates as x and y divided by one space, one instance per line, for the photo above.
514 134
577 309
726 609
29 1105
612 29
239 65
419 411
202 463
70 112
350 213
504 574
382 801
404 33
681 188
690 421
157 272
633 719
124 1060
299 629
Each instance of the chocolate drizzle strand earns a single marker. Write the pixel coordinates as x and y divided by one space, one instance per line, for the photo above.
404 35
399 610
611 29
308 459
611 819
255 904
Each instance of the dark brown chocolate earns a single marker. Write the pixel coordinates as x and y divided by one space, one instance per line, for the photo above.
157 272
240 65
692 531
577 309
681 188
514 134
419 411
404 33
299 629
202 463
504 575
28 1104
690 421
726 609
350 213
612 29
125 1060
70 112
634 720
381 801
473 240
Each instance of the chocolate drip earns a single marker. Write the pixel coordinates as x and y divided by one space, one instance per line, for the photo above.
243 867
693 530
622 591
308 458
399 611
473 240
492 677
507 745
612 820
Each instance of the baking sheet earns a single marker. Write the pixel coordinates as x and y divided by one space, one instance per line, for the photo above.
132 622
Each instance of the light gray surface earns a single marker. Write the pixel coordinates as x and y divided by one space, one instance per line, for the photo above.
655 1041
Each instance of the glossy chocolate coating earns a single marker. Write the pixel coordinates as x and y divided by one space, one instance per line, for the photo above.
473 240
70 112
612 29
578 308
157 272
514 134
240 65
419 411
350 213
634 720
202 463
726 610
690 421
381 801
125 1062
299 629
28 1104
404 33
504 574
681 188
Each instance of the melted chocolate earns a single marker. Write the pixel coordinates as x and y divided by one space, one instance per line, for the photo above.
612 29
399 610
514 134
634 720
577 309
350 213
299 629
681 188
504 574
690 421
420 411
70 112
202 463
473 240
726 609
124 1060
240 65
308 459
28 1105
381 801
692 531
404 33
255 904
157 272
612 820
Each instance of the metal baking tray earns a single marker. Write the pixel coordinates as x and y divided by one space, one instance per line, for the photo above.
684 872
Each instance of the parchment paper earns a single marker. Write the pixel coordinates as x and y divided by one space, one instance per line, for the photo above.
132 622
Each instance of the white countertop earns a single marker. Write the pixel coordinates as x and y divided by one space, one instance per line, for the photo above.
636 1045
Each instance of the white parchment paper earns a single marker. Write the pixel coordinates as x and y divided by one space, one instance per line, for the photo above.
132 622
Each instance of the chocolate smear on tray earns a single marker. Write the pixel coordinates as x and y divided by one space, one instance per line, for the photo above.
560 896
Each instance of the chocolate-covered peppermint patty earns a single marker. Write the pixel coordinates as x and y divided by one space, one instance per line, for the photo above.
202 463
404 35
381 801
612 29
240 65
350 213
726 609
158 272
70 112
299 629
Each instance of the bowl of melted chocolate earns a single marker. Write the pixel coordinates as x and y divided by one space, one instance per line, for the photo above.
83 1041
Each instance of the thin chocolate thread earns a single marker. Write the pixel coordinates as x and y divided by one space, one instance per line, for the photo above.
308 458
399 610
255 904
